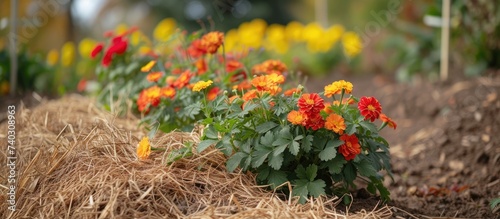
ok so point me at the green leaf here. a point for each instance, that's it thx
(234, 161)
(349, 173)
(279, 150)
(351, 128)
(371, 188)
(258, 157)
(276, 178)
(300, 171)
(276, 161)
(384, 193)
(369, 126)
(494, 203)
(330, 150)
(311, 172)
(316, 188)
(267, 139)
(365, 168)
(264, 127)
(294, 148)
(205, 144)
(335, 165)
(307, 143)
(192, 110)
(300, 189)
(211, 133)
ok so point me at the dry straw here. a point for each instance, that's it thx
(76, 161)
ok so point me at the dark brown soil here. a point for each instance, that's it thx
(446, 148)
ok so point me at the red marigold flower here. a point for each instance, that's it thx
(335, 123)
(183, 79)
(154, 76)
(148, 97)
(291, 91)
(168, 92)
(82, 85)
(370, 108)
(297, 118)
(196, 50)
(350, 148)
(201, 65)
(310, 103)
(388, 121)
(212, 41)
(233, 65)
(212, 93)
(118, 46)
(97, 49)
(314, 121)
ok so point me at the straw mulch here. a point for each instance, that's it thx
(77, 161)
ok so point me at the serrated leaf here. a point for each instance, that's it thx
(384, 193)
(258, 157)
(311, 172)
(211, 133)
(494, 203)
(192, 110)
(267, 139)
(307, 143)
(300, 171)
(264, 127)
(371, 188)
(369, 126)
(300, 189)
(349, 173)
(365, 168)
(330, 150)
(263, 173)
(234, 161)
(276, 161)
(276, 178)
(316, 188)
(205, 144)
(294, 148)
(335, 165)
(351, 128)
(279, 150)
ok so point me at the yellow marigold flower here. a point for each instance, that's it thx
(352, 44)
(143, 148)
(67, 54)
(200, 85)
(52, 57)
(336, 88)
(335, 123)
(164, 29)
(86, 46)
(293, 31)
(121, 29)
(148, 66)
(297, 118)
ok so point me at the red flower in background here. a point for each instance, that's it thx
(212, 93)
(196, 50)
(350, 148)
(212, 41)
(82, 84)
(182, 80)
(311, 103)
(118, 46)
(201, 65)
(97, 49)
(148, 97)
(370, 108)
(154, 76)
(233, 65)
(315, 121)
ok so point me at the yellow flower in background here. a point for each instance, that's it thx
(52, 57)
(164, 29)
(143, 50)
(352, 44)
(276, 39)
(231, 40)
(334, 33)
(314, 35)
(68, 54)
(149, 66)
(143, 148)
(138, 37)
(293, 31)
(86, 46)
(200, 85)
(121, 29)
(251, 33)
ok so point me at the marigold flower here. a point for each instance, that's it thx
(148, 97)
(68, 54)
(297, 118)
(168, 92)
(97, 49)
(201, 85)
(268, 83)
(352, 44)
(233, 65)
(370, 108)
(310, 103)
(336, 88)
(212, 41)
(154, 76)
(183, 79)
(388, 121)
(351, 146)
(315, 121)
(212, 93)
(328, 109)
(196, 50)
(52, 57)
(201, 65)
(118, 46)
(143, 148)
(270, 67)
(86, 46)
(149, 66)
(82, 85)
(291, 91)
(335, 123)
(164, 29)
(249, 95)
(244, 85)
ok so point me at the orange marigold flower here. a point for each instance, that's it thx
(212, 41)
(335, 123)
(270, 67)
(261, 83)
(170, 80)
(388, 121)
(168, 92)
(201, 85)
(291, 91)
(143, 148)
(268, 83)
(249, 95)
(297, 118)
(315, 121)
(233, 65)
(350, 148)
(148, 97)
(310, 103)
(370, 108)
(176, 71)
(183, 79)
(328, 109)
(201, 65)
(149, 66)
(196, 49)
(244, 85)
(212, 93)
(154, 76)
(336, 88)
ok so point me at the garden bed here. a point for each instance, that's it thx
(75, 160)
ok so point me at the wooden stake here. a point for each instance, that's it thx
(321, 12)
(445, 40)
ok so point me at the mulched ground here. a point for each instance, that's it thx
(446, 149)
